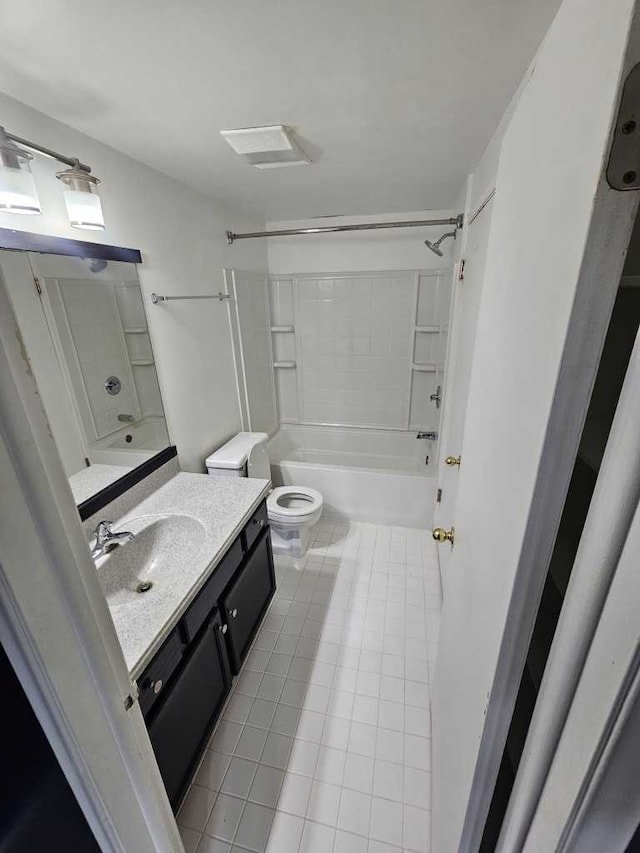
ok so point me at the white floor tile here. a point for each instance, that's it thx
(251, 743)
(196, 808)
(324, 802)
(386, 821)
(261, 713)
(303, 757)
(416, 829)
(211, 773)
(225, 817)
(294, 794)
(190, 839)
(255, 824)
(417, 788)
(346, 842)
(266, 785)
(310, 726)
(358, 773)
(276, 750)
(286, 833)
(324, 746)
(317, 838)
(362, 739)
(355, 812)
(388, 780)
(239, 776)
(213, 845)
(285, 720)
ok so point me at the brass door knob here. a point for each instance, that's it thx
(441, 535)
(452, 460)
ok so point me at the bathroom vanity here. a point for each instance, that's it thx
(203, 545)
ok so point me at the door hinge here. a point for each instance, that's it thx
(439, 496)
(131, 698)
(38, 286)
(622, 169)
(461, 270)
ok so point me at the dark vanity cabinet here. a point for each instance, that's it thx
(246, 599)
(184, 687)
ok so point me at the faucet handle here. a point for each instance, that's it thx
(103, 529)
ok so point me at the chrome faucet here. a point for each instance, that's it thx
(107, 540)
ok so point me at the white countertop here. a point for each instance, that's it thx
(222, 505)
(84, 484)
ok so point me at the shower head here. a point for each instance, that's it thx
(435, 245)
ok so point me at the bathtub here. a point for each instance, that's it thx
(363, 474)
(133, 444)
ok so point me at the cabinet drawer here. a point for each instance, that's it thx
(208, 596)
(155, 677)
(256, 525)
(181, 724)
(246, 599)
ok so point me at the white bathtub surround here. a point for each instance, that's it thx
(365, 475)
(361, 348)
(325, 741)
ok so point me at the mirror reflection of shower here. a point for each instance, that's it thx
(435, 244)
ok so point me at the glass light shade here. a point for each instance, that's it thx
(84, 209)
(17, 187)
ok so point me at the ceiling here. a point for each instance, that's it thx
(394, 100)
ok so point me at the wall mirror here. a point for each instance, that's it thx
(85, 332)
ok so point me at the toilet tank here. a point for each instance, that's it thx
(244, 455)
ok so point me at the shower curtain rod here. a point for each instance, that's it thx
(331, 229)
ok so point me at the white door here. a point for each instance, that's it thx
(465, 314)
(557, 241)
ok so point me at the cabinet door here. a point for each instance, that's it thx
(181, 725)
(246, 599)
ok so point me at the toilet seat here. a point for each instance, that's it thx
(309, 502)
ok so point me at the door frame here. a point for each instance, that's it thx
(613, 215)
(56, 628)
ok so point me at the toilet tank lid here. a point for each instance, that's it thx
(235, 452)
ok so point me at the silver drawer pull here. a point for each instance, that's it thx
(223, 629)
(157, 686)
(234, 613)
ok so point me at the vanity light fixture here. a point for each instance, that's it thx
(18, 191)
(81, 198)
(17, 188)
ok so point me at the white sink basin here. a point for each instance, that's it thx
(162, 544)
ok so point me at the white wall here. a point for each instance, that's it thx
(401, 249)
(181, 235)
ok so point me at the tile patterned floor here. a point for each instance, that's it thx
(324, 746)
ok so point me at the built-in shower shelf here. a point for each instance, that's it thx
(425, 368)
(285, 364)
(428, 329)
(138, 330)
(141, 362)
(283, 329)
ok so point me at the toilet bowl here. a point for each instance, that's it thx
(292, 510)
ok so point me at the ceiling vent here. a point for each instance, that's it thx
(266, 147)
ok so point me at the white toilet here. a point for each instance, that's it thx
(292, 510)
